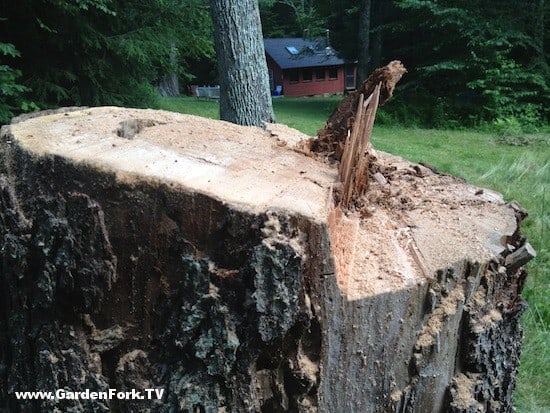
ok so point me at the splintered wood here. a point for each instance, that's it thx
(356, 114)
(331, 138)
(354, 165)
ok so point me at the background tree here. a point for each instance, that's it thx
(363, 41)
(378, 19)
(191, 46)
(244, 82)
(357, 30)
(97, 52)
(291, 18)
(475, 59)
(470, 62)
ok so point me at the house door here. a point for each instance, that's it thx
(271, 81)
(350, 77)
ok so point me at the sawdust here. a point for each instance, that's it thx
(463, 398)
(245, 166)
(414, 223)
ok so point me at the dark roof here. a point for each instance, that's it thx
(296, 52)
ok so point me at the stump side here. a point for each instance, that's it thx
(423, 288)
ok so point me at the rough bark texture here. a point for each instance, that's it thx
(377, 21)
(363, 41)
(169, 86)
(245, 98)
(166, 259)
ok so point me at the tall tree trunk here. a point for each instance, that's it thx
(375, 59)
(244, 80)
(170, 85)
(538, 29)
(363, 41)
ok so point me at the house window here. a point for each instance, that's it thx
(307, 75)
(292, 50)
(320, 74)
(333, 73)
(293, 76)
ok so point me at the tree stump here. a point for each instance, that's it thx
(149, 250)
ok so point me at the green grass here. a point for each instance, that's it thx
(518, 172)
(308, 115)
(304, 114)
(191, 106)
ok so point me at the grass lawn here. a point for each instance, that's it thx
(518, 172)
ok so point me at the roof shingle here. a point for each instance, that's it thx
(311, 52)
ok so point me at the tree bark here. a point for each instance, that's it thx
(244, 97)
(149, 250)
(539, 12)
(363, 41)
(170, 85)
(376, 38)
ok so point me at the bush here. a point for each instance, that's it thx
(11, 92)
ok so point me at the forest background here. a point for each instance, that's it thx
(471, 63)
(478, 69)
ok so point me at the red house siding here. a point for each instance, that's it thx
(314, 86)
(305, 87)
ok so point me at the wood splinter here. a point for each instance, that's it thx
(346, 135)
(354, 165)
(520, 257)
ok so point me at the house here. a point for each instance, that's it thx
(306, 67)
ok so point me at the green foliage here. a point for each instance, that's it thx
(479, 59)
(291, 18)
(76, 6)
(470, 62)
(418, 110)
(507, 127)
(11, 92)
(509, 90)
(103, 52)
